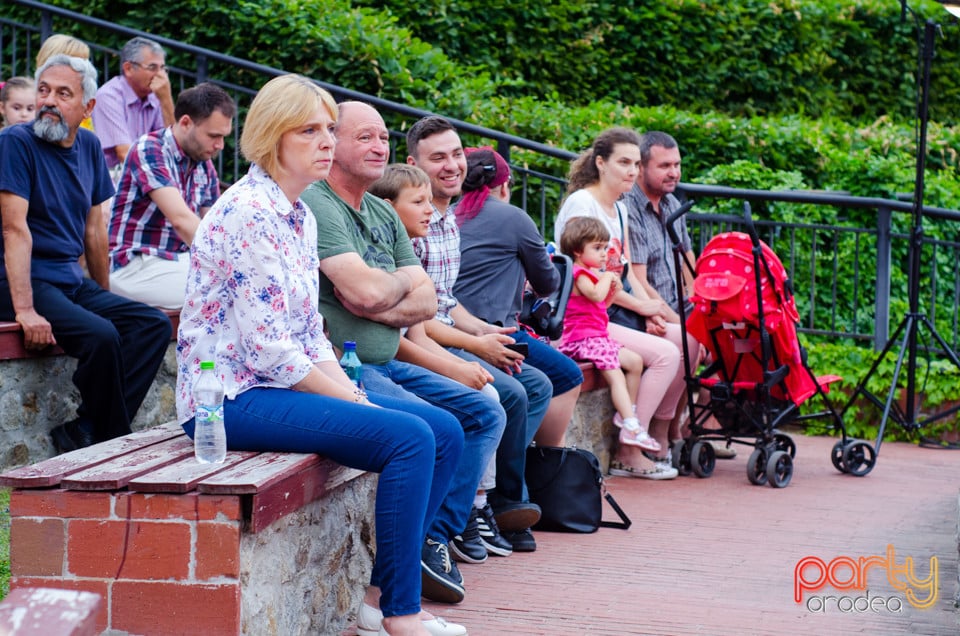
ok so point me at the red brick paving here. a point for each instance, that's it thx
(716, 556)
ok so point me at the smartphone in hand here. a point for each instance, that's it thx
(520, 347)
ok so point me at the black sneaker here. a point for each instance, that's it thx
(517, 516)
(522, 541)
(490, 535)
(467, 546)
(440, 579)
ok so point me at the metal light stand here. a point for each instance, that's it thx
(911, 323)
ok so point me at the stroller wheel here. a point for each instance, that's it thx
(785, 443)
(779, 469)
(680, 451)
(703, 459)
(757, 467)
(859, 458)
(836, 456)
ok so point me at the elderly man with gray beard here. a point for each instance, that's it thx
(53, 181)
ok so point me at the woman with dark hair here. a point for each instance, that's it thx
(597, 180)
(501, 250)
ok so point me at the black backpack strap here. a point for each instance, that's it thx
(624, 522)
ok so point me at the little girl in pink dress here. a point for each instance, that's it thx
(585, 335)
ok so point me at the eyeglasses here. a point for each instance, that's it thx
(510, 182)
(153, 68)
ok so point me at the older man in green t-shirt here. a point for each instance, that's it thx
(372, 287)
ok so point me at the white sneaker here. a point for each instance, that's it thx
(370, 616)
(658, 471)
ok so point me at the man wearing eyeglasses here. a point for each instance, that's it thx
(134, 103)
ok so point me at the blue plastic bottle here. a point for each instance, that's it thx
(351, 363)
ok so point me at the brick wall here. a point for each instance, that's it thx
(173, 564)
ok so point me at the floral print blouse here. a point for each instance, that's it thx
(252, 292)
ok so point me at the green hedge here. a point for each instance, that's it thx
(853, 60)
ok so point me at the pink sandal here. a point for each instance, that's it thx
(632, 435)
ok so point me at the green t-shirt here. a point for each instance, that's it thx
(378, 236)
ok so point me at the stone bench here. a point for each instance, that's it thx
(37, 393)
(591, 427)
(266, 543)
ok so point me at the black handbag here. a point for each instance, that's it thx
(626, 317)
(621, 315)
(567, 484)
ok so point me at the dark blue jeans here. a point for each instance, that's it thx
(414, 447)
(481, 417)
(119, 344)
(524, 397)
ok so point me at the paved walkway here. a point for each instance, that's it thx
(717, 556)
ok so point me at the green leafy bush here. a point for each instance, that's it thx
(938, 387)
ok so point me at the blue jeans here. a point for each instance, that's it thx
(119, 344)
(524, 397)
(481, 417)
(414, 447)
(563, 372)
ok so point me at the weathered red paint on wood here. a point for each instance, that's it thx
(51, 471)
(184, 475)
(49, 612)
(119, 471)
(259, 473)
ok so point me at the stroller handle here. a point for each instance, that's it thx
(683, 209)
(746, 219)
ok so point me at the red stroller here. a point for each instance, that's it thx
(745, 315)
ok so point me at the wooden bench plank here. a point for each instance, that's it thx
(297, 490)
(592, 380)
(11, 340)
(184, 475)
(119, 471)
(49, 612)
(51, 471)
(256, 474)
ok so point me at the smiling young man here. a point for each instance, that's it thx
(134, 103)
(53, 181)
(525, 384)
(167, 184)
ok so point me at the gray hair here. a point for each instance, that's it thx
(131, 51)
(88, 74)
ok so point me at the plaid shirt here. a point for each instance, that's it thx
(439, 253)
(137, 226)
(650, 243)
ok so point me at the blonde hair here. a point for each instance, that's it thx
(283, 104)
(60, 43)
(396, 178)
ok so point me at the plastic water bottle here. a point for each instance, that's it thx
(351, 363)
(209, 436)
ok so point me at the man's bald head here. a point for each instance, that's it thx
(363, 146)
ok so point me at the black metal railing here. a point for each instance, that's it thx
(859, 309)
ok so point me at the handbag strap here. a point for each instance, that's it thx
(624, 522)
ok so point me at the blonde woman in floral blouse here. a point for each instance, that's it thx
(251, 306)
